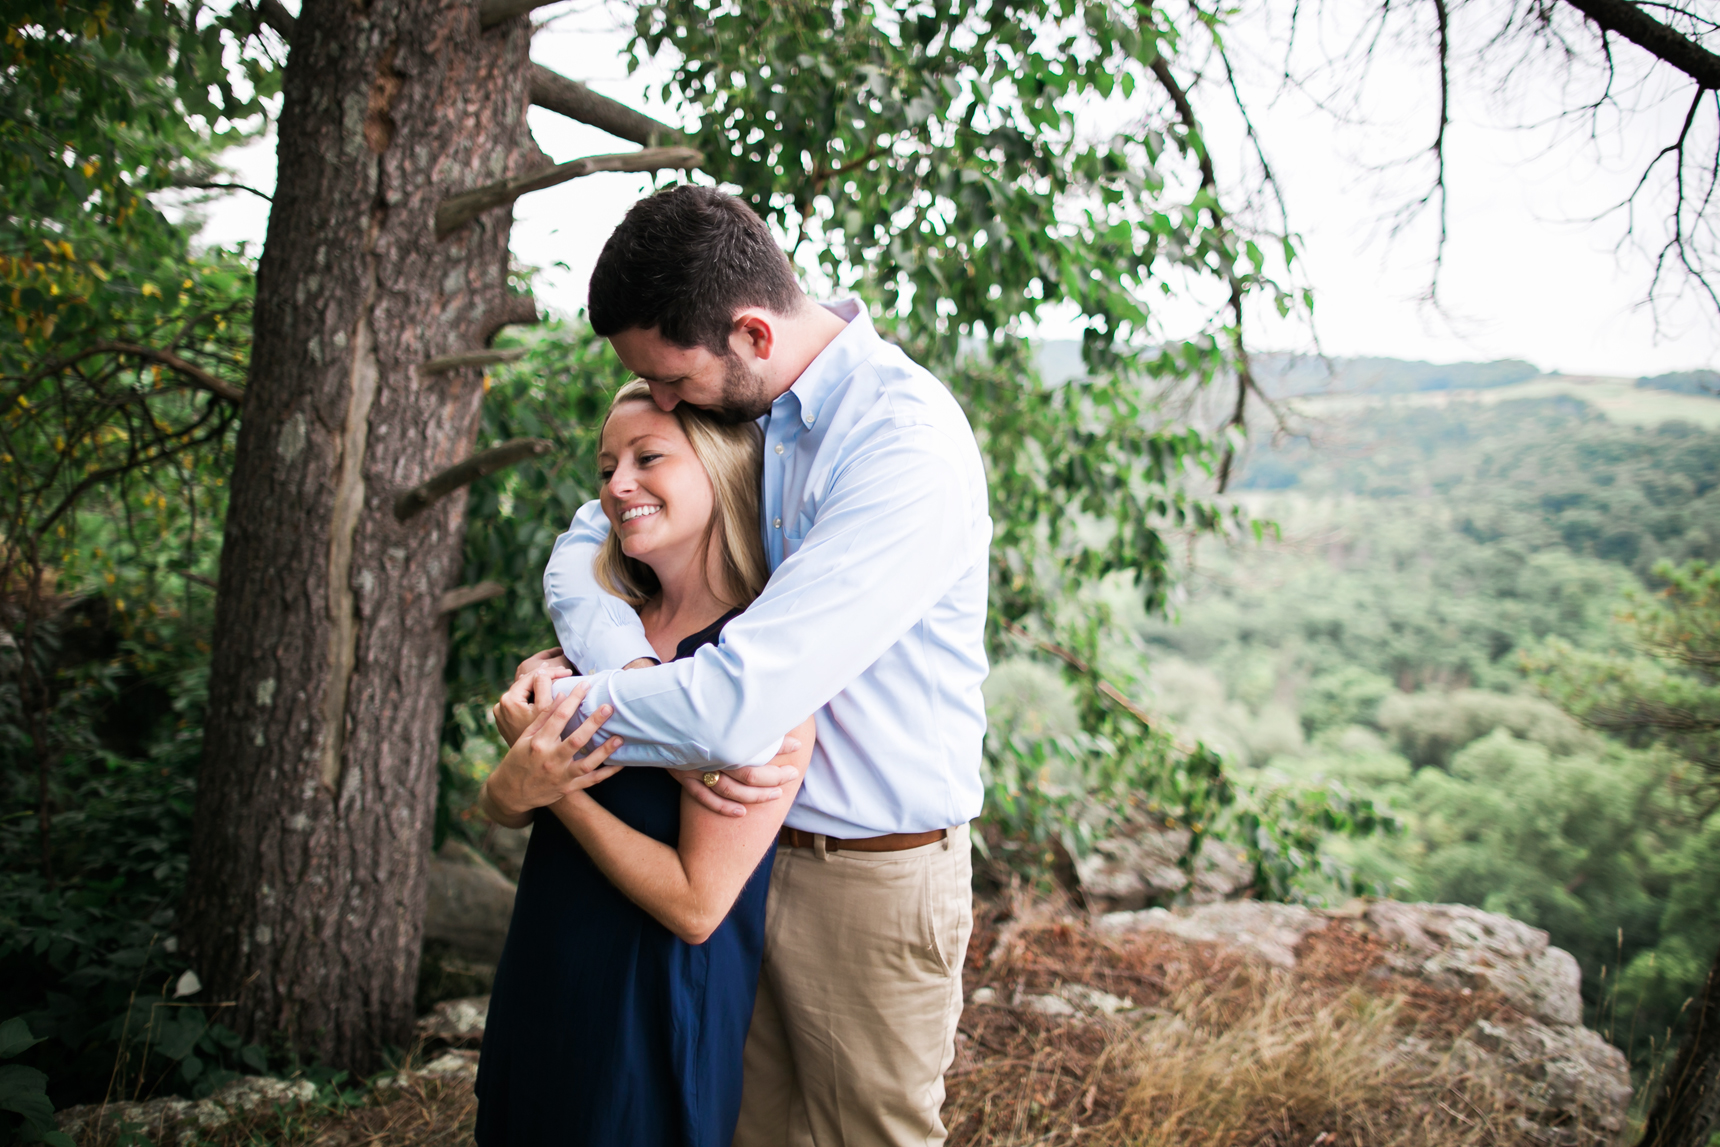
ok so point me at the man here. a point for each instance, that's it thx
(877, 530)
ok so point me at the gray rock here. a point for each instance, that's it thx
(1139, 867)
(470, 904)
(456, 1021)
(1453, 946)
(507, 847)
(1269, 931)
(1575, 1084)
(185, 1121)
(1054, 1006)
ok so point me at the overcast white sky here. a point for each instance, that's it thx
(1524, 276)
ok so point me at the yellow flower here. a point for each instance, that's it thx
(150, 290)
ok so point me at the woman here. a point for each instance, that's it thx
(626, 986)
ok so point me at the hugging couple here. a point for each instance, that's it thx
(754, 931)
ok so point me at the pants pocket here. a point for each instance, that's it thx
(939, 927)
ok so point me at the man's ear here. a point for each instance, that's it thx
(754, 333)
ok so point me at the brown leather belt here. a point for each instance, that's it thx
(889, 842)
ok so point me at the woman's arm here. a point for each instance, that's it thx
(691, 888)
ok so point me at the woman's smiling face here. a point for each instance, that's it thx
(655, 490)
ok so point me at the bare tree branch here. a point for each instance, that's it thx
(193, 374)
(1111, 692)
(204, 186)
(570, 98)
(1238, 289)
(456, 211)
(428, 493)
(275, 15)
(1664, 43)
(469, 595)
(1438, 149)
(470, 358)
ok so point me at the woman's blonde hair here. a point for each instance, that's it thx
(733, 458)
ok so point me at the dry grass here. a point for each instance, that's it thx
(1219, 1053)
(1216, 1052)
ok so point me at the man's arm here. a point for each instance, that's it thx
(893, 535)
(597, 629)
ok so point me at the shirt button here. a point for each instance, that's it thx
(810, 420)
(776, 525)
(779, 448)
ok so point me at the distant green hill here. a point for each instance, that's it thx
(1288, 375)
(1684, 382)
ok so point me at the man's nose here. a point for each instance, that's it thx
(664, 396)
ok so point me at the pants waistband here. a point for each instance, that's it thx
(889, 842)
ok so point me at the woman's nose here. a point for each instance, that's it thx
(621, 483)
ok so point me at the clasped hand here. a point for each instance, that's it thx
(521, 705)
(542, 766)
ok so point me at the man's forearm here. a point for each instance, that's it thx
(597, 630)
(870, 568)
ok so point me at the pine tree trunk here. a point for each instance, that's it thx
(316, 796)
(1687, 1111)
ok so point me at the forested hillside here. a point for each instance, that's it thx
(1378, 639)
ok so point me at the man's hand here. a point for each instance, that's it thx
(554, 660)
(515, 710)
(737, 788)
(525, 699)
(543, 766)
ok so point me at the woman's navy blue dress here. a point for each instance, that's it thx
(604, 1028)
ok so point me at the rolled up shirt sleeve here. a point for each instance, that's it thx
(890, 539)
(597, 630)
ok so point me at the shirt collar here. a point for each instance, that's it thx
(837, 361)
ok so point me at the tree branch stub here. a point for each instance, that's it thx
(462, 596)
(470, 358)
(493, 12)
(458, 210)
(555, 92)
(427, 494)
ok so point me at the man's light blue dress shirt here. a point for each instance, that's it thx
(877, 528)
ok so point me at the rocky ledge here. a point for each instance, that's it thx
(1484, 993)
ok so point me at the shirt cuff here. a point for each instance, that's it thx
(614, 649)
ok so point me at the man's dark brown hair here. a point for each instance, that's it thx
(684, 261)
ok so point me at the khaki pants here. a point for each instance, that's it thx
(858, 998)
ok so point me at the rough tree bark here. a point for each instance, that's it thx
(315, 800)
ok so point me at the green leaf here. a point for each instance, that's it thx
(25, 1091)
(176, 1038)
(15, 1038)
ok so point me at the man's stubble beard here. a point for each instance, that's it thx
(745, 397)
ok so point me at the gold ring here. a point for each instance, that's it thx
(711, 779)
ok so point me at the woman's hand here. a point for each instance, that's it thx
(515, 710)
(543, 766)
